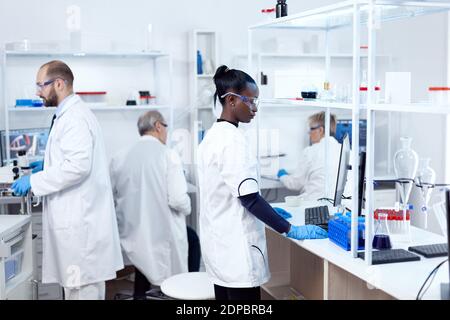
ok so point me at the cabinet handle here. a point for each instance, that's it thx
(35, 284)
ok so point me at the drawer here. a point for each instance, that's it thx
(49, 292)
(36, 226)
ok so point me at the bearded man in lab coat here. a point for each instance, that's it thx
(150, 193)
(81, 246)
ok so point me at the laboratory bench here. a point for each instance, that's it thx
(320, 269)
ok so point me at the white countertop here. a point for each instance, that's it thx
(11, 222)
(400, 280)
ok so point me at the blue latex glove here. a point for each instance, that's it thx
(308, 231)
(283, 213)
(37, 166)
(21, 186)
(281, 173)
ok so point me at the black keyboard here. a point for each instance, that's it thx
(391, 256)
(318, 216)
(431, 250)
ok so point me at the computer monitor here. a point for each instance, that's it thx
(361, 181)
(344, 127)
(33, 141)
(344, 161)
(344, 166)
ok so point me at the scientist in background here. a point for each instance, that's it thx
(152, 203)
(309, 177)
(81, 246)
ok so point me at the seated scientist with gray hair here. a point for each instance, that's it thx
(150, 193)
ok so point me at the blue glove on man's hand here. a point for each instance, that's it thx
(283, 213)
(37, 166)
(21, 186)
(308, 231)
(281, 173)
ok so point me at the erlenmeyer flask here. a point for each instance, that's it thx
(426, 177)
(381, 240)
(405, 166)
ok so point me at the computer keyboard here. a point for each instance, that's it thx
(431, 250)
(391, 256)
(318, 216)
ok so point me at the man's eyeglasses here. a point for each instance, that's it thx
(249, 101)
(41, 86)
(163, 124)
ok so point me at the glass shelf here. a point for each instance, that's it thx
(341, 15)
(80, 54)
(95, 108)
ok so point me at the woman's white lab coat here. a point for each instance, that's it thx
(232, 239)
(80, 235)
(150, 193)
(309, 177)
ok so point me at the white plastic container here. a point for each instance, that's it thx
(363, 94)
(439, 96)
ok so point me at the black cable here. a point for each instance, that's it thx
(332, 202)
(418, 297)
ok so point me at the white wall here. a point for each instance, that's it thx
(123, 24)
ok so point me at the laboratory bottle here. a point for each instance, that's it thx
(199, 63)
(281, 9)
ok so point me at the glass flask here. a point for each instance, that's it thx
(426, 178)
(405, 166)
(381, 240)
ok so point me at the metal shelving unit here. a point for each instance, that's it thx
(156, 58)
(355, 14)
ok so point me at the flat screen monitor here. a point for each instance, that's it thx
(362, 180)
(344, 161)
(344, 127)
(33, 141)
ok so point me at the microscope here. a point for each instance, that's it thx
(10, 173)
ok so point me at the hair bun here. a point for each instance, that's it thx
(220, 72)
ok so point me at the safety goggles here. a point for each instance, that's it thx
(311, 129)
(248, 101)
(41, 86)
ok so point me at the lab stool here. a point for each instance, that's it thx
(189, 286)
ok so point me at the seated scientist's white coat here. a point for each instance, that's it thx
(150, 193)
(309, 177)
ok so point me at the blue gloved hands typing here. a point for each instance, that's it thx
(281, 173)
(37, 166)
(307, 232)
(283, 213)
(21, 186)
